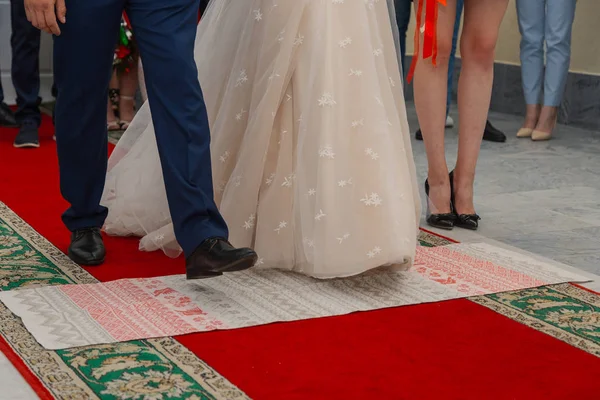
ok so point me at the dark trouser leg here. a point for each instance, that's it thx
(459, 11)
(55, 95)
(25, 43)
(403, 9)
(166, 31)
(203, 5)
(83, 56)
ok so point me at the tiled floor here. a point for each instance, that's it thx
(13, 385)
(542, 197)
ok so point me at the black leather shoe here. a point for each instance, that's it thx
(87, 247)
(440, 221)
(490, 134)
(493, 134)
(215, 256)
(7, 117)
(465, 221)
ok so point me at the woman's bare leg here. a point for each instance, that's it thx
(110, 111)
(532, 115)
(430, 91)
(480, 32)
(547, 119)
(141, 81)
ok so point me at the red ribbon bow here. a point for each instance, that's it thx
(430, 33)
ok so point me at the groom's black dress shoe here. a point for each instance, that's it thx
(215, 256)
(87, 247)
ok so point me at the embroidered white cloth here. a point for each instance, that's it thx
(67, 316)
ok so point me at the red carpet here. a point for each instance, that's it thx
(449, 350)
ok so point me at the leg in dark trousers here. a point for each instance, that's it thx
(403, 10)
(25, 43)
(83, 56)
(166, 32)
(203, 5)
(7, 117)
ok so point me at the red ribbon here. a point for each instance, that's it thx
(430, 34)
(126, 18)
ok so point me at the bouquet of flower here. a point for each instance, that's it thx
(125, 53)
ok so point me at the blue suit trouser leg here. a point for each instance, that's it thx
(166, 33)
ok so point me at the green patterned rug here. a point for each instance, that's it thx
(153, 369)
(160, 369)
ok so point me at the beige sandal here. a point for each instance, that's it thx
(113, 126)
(124, 123)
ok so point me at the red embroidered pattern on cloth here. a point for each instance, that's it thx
(133, 308)
(469, 275)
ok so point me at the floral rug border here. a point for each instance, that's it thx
(564, 311)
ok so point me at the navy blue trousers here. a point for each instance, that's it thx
(25, 68)
(403, 8)
(165, 31)
(203, 5)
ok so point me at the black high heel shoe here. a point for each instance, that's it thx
(466, 221)
(440, 221)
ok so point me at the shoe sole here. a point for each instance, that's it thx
(445, 228)
(238, 265)
(27, 145)
(494, 140)
(85, 263)
(469, 228)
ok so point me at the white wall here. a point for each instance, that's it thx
(5, 58)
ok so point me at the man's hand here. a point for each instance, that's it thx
(43, 14)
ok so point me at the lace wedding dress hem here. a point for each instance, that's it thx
(311, 153)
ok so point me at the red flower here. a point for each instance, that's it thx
(123, 51)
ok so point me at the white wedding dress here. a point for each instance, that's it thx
(311, 155)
